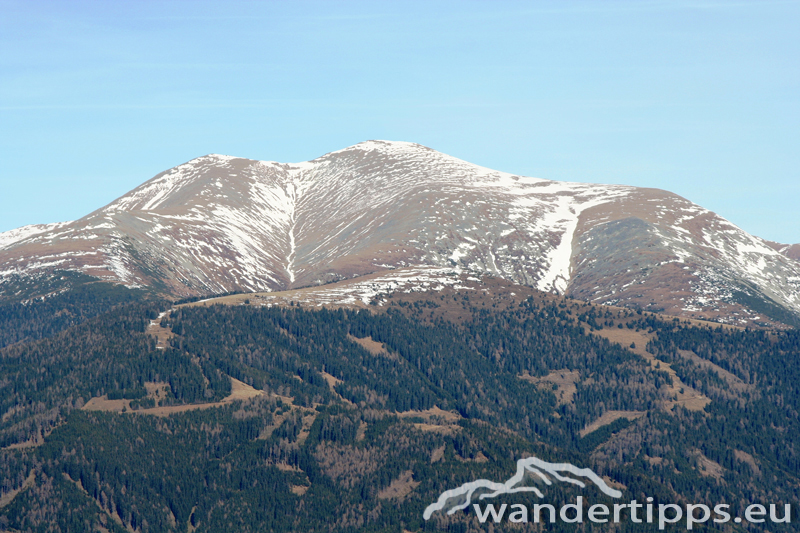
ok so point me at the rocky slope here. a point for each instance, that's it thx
(220, 223)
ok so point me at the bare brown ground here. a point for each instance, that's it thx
(625, 337)
(432, 414)
(434, 420)
(749, 459)
(36, 440)
(332, 382)
(614, 484)
(654, 460)
(399, 488)
(283, 467)
(373, 347)
(9, 496)
(435, 428)
(732, 380)
(609, 417)
(305, 431)
(299, 490)
(708, 468)
(479, 458)
(162, 335)
(239, 391)
(437, 454)
(362, 431)
(564, 379)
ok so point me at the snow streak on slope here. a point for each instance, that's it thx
(368, 289)
(559, 206)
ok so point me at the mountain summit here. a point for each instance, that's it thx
(220, 223)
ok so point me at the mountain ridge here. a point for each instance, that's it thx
(220, 223)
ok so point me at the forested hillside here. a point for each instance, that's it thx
(366, 416)
(33, 308)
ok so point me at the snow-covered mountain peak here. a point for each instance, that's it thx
(382, 146)
(220, 223)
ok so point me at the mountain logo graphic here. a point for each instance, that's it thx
(530, 468)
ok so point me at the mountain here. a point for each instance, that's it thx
(220, 224)
(442, 354)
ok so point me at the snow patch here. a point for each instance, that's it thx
(11, 237)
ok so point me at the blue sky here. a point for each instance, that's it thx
(700, 98)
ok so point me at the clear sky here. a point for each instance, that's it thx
(698, 97)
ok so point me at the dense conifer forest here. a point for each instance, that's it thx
(366, 415)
